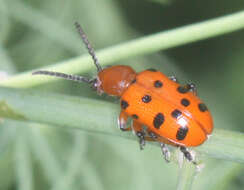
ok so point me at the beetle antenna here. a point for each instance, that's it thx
(88, 46)
(63, 75)
(75, 77)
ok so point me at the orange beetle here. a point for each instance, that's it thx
(162, 110)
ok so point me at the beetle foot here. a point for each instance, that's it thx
(141, 136)
(191, 87)
(174, 79)
(165, 151)
(152, 135)
(188, 155)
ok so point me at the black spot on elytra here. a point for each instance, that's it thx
(151, 69)
(202, 107)
(158, 120)
(134, 116)
(182, 89)
(124, 104)
(158, 84)
(185, 102)
(176, 113)
(181, 133)
(133, 81)
(146, 99)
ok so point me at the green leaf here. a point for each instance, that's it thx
(23, 167)
(98, 117)
(186, 174)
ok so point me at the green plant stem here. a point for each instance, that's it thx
(98, 117)
(186, 175)
(23, 164)
(74, 164)
(50, 165)
(145, 45)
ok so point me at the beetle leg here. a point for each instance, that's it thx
(164, 148)
(152, 136)
(174, 79)
(122, 121)
(187, 155)
(141, 136)
(165, 151)
(191, 87)
(140, 133)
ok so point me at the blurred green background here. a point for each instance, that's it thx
(34, 34)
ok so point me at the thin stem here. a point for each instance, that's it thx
(145, 45)
(23, 163)
(51, 167)
(186, 175)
